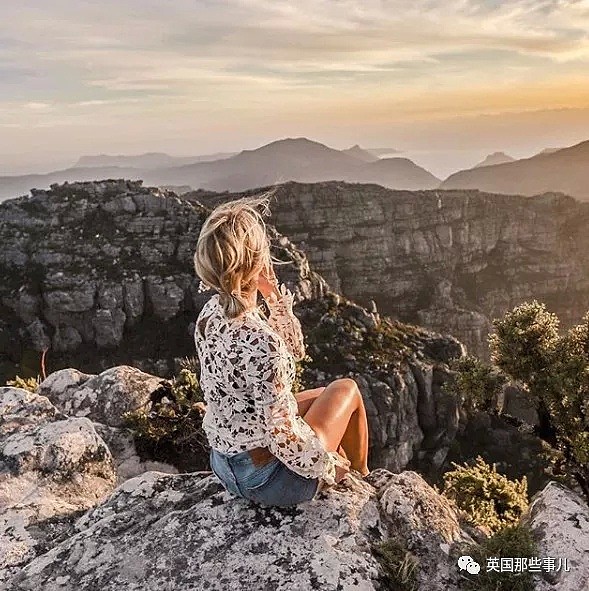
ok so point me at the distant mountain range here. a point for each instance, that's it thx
(495, 158)
(148, 160)
(297, 159)
(564, 170)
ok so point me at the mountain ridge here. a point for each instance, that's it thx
(565, 170)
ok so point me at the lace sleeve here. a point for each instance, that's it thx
(283, 321)
(288, 436)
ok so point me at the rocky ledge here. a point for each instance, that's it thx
(95, 268)
(80, 510)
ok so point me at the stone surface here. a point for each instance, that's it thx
(186, 532)
(52, 468)
(103, 399)
(92, 270)
(449, 260)
(559, 519)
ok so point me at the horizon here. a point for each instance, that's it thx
(444, 83)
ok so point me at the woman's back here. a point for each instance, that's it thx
(236, 360)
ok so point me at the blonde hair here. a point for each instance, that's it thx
(232, 248)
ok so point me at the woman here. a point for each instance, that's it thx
(268, 444)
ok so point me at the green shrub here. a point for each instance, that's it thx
(30, 384)
(489, 499)
(399, 566)
(170, 428)
(554, 369)
(476, 383)
(515, 541)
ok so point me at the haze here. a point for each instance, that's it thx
(445, 82)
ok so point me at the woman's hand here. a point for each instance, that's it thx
(267, 283)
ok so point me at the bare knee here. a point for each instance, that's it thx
(346, 383)
(349, 386)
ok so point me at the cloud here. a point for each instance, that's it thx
(147, 60)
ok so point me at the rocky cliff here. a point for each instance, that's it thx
(448, 260)
(72, 519)
(101, 272)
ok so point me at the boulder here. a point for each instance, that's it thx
(559, 518)
(185, 531)
(52, 469)
(103, 399)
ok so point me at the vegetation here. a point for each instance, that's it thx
(488, 499)
(171, 428)
(398, 564)
(30, 384)
(515, 541)
(341, 336)
(476, 383)
(554, 369)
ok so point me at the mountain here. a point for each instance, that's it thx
(565, 170)
(398, 173)
(495, 158)
(148, 160)
(297, 159)
(361, 154)
(383, 151)
(447, 260)
(548, 151)
(12, 186)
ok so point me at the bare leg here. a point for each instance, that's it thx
(304, 400)
(306, 397)
(338, 417)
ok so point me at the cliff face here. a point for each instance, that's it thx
(449, 260)
(107, 266)
(101, 274)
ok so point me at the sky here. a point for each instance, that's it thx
(445, 82)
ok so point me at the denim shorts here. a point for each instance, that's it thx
(273, 484)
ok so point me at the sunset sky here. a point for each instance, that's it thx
(451, 80)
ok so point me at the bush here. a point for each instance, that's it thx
(170, 428)
(515, 541)
(488, 499)
(399, 566)
(555, 370)
(476, 383)
(30, 384)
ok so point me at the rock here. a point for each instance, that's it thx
(108, 327)
(52, 468)
(449, 260)
(559, 519)
(427, 524)
(128, 463)
(517, 403)
(102, 398)
(66, 338)
(187, 532)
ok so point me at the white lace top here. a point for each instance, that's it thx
(247, 370)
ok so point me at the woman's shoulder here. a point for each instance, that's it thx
(255, 332)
